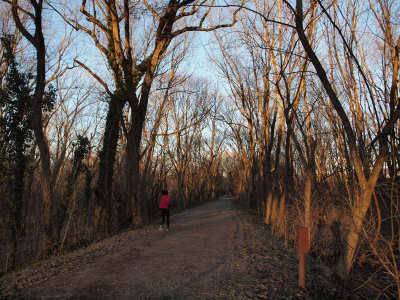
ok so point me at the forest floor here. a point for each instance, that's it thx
(213, 251)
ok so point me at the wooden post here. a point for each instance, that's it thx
(302, 270)
(302, 249)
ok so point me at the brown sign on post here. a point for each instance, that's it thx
(302, 249)
(302, 240)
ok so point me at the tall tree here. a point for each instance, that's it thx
(367, 175)
(28, 17)
(16, 140)
(133, 73)
(36, 39)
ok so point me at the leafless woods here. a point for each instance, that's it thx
(101, 109)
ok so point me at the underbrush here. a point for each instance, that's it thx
(321, 282)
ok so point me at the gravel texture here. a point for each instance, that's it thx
(213, 251)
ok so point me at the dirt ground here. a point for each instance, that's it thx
(212, 252)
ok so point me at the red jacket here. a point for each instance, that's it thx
(164, 203)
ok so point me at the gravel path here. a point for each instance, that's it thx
(213, 251)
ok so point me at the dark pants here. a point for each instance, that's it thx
(164, 213)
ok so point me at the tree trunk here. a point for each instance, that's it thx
(307, 200)
(103, 189)
(134, 204)
(37, 40)
(41, 140)
(268, 207)
(345, 261)
(274, 209)
(281, 214)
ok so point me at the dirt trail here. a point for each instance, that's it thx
(190, 260)
(214, 251)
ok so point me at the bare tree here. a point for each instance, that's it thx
(134, 74)
(367, 175)
(189, 108)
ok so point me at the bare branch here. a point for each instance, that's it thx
(348, 49)
(92, 18)
(200, 28)
(152, 10)
(14, 9)
(195, 8)
(93, 35)
(62, 16)
(20, 8)
(94, 75)
(240, 7)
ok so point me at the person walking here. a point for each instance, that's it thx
(164, 207)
